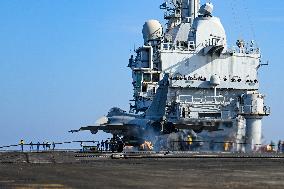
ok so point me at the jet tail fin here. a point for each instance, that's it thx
(158, 107)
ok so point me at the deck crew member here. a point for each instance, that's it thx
(37, 146)
(31, 146)
(22, 145)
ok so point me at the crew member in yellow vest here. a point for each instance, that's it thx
(226, 146)
(189, 141)
(22, 145)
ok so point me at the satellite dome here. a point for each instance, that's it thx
(152, 30)
(206, 9)
(215, 80)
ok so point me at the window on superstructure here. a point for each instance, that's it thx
(145, 59)
(147, 77)
(156, 77)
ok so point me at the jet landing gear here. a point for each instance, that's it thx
(116, 144)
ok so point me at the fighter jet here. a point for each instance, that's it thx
(135, 129)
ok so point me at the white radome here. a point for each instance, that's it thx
(152, 30)
(215, 80)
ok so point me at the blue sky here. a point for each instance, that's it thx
(63, 63)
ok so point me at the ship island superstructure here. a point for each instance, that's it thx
(209, 83)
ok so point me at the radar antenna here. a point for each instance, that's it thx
(177, 11)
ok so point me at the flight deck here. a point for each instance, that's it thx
(70, 169)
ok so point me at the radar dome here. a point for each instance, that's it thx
(215, 80)
(152, 30)
(206, 9)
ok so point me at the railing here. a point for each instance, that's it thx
(189, 99)
(249, 109)
(245, 50)
(188, 46)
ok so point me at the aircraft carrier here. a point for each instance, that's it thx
(189, 84)
(196, 115)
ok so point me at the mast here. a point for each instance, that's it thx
(190, 9)
(195, 5)
(178, 11)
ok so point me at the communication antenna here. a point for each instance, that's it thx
(237, 24)
(251, 23)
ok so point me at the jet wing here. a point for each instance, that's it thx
(107, 127)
